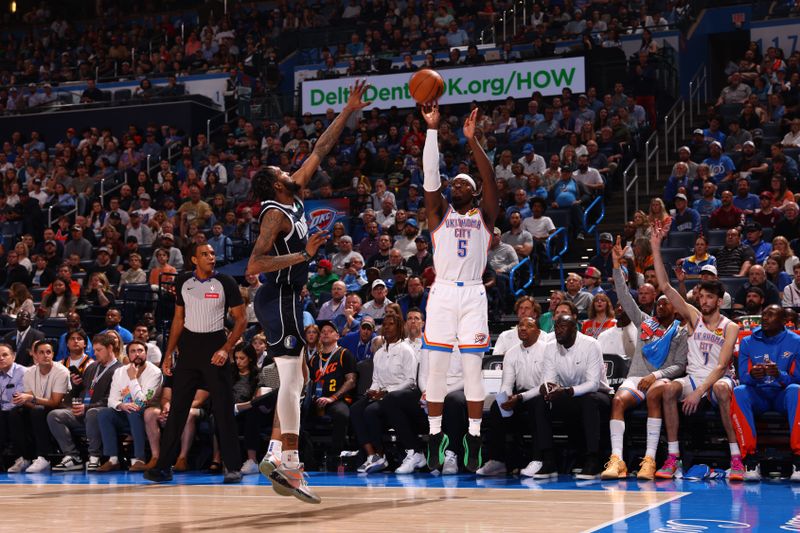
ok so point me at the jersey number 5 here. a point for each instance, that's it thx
(462, 248)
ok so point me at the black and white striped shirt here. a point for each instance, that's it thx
(207, 301)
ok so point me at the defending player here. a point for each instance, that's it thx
(711, 341)
(283, 250)
(769, 375)
(457, 307)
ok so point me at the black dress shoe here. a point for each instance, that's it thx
(158, 475)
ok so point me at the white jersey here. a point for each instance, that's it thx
(461, 246)
(705, 346)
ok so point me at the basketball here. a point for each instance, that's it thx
(425, 86)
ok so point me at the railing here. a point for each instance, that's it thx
(559, 256)
(676, 114)
(50, 213)
(592, 229)
(627, 183)
(511, 275)
(698, 91)
(651, 148)
(115, 186)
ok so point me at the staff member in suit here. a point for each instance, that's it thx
(204, 298)
(23, 338)
(97, 384)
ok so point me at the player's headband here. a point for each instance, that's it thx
(466, 178)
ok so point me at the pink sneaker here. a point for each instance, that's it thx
(737, 469)
(671, 466)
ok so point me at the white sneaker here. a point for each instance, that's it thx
(249, 467)
(374, 463)
(40, 464)
(794, 477)
(20, 465)
(450, 466)
(412, 461)
(535, 469)
(492, 468)
(752, 474)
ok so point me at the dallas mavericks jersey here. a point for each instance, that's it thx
(461, 246)
(292, 243)
(705, 346)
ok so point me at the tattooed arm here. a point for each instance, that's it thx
(274, 224)
(331, 135)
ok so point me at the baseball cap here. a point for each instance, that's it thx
(144, 196)
(498, 231)
(168, 236)
(749, 143)
(37, 181)
(400, 270)
(766, 194)
(711, 269)
(717, 144)
(326, 264)
(685, 148)
(377, 283)
(753, 226)
(606, 237)
(420, 238)
(527, 149)
(412, 222)
(76, 227)
(103, 249)
(322, 323)
(114, 214)
(51, 241)
(592, 272)
(681, 196)
(698, 131)
(368, 321)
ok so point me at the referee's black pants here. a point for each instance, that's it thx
(591, 409)
(194, 369)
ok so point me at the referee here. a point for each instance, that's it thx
(203, 297)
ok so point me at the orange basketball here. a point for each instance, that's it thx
(425, 86)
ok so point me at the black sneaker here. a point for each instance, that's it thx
(547, 471)
(472, 452)
(437, 445)
(591, 468)
(157, 475)
(232, 477)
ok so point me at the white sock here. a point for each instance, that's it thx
(734, 449)
(275, 447)
(290, 458)
(113, 460)
(474, 427)
(435, 423)
(93, 459)
(653, 434)
(617, 428)
(673, 448)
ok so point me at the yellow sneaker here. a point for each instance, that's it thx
(647, 469)
(615, 469)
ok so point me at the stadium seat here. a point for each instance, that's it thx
(671, 255)
(560, 217)
(52, 327)
(733, 285)
(681, 239)
(716, 238)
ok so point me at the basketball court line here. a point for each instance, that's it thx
(640, 511)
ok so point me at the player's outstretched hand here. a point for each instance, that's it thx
(469, 124)
(315, 241)
(430, 112)
(355, 101)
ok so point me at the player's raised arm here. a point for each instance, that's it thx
(331, 135)
(434, 200)
(273, 224)
(687, 311)
(489, 203)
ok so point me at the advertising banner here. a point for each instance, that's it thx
(321, 215)
(461, 85)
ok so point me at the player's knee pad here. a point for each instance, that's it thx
(288, 404)
(438, 365)
(473, 378)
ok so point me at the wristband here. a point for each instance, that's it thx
(305, 255)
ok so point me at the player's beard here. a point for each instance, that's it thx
(292, 187)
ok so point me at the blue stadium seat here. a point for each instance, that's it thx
(671, 255)
(716, 238)
(733, 285)
(681, 239)
(560, 217)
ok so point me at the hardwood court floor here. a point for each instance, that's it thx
(171, 508)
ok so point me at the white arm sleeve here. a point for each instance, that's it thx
(430, 162)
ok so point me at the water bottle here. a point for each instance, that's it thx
(768, 378)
